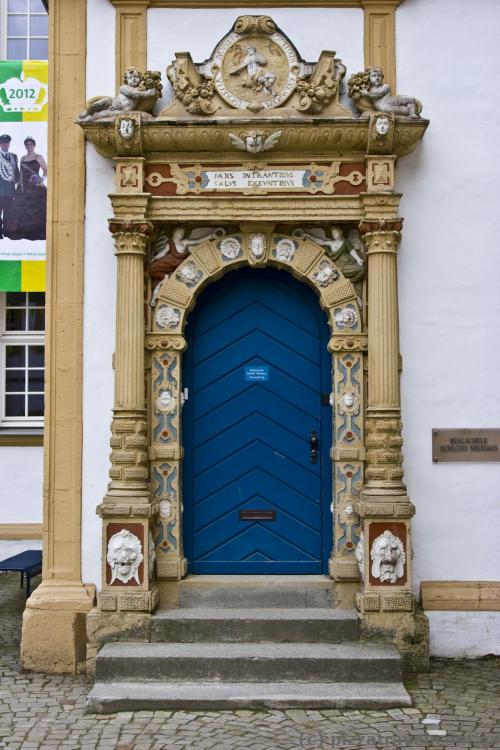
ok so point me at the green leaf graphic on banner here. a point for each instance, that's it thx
(9, 69)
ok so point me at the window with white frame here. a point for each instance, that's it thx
(22, 359)
(24, 28)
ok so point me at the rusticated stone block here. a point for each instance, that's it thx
(136, 441)
(373, 510)
(168, 569)
(123, 457)
(136, 472)
(404, 510)
(119, 426)
(107, 602)
(110, 510)
(400, 602)
(367, 602)
(137, 602)
(343, 569)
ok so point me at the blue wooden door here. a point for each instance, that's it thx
(256, 366)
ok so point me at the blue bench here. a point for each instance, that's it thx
(28, 563)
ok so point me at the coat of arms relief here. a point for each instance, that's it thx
(256, 68)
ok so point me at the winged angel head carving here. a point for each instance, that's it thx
(255, 141)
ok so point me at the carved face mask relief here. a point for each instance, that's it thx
(382, 125)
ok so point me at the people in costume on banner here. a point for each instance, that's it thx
(26, 219)
(9, 178)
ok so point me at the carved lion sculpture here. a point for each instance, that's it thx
(388, 557)
(124, 556)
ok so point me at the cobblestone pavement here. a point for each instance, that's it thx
(456, 705)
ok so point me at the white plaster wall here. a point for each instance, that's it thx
(197, 30)
(449, 281)
(8, 548)
(21, 493)
(21, 472)
(99, 300)
(459, 634)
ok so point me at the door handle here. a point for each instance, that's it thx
(314, 442)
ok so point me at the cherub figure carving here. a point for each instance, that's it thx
(369, 92)
(388, 557)
(258, 79)
(168, 252)
(138, 92)
(345, 253)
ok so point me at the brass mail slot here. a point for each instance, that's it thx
(257, 515)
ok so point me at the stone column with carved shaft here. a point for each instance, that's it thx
(126, 510)
(384, 551)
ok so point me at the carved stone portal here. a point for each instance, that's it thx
(256, 68)
(317, 200)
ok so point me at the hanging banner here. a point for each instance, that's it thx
(23, 174)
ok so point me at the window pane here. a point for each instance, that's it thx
(35, 406)
(39, 25)
(14, 406)
(17, 26)
(17, 49)
(16, 299)
(18, 5)
(36, 356)
(35, 381)
(15, 320)
(36, 6)
(36, 299)
(36, 319)
(14, 356)
(39, 49)
(15, 381)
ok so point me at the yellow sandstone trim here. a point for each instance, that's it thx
(380, 37)
(14, 440)
(9, 531)
(53, 637)
(461, 596)
(131, 35)
(255, 3)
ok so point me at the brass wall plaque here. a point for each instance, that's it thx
(465, 445)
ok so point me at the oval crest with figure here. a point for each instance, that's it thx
(255, 68)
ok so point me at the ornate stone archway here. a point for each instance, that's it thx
(308, 262)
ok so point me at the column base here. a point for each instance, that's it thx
(54, 632)
(105, 627)
(396, 618)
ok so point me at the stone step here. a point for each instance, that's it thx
(251, 662)
(210, 696)
(277, 625)
(256, 591)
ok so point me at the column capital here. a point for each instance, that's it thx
(123, 226)
(382, 236)
(130, 236)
